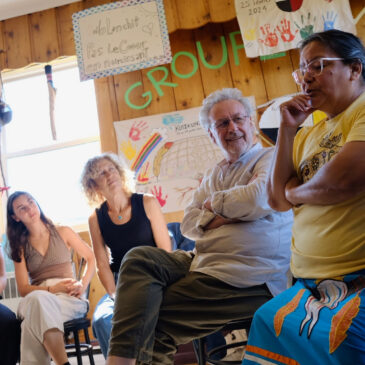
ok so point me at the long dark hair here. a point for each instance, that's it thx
(345, 45)
(17, 232)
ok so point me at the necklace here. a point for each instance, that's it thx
(120, 217)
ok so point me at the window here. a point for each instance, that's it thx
(50, 170)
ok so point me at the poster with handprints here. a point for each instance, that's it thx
(169, 154)
(273, 26)
(120, 37)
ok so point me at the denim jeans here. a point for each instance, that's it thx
(102, 322)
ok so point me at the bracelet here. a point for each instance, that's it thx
(48, 288)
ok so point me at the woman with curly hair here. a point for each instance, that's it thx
(123, 220)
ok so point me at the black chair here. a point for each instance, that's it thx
(80, 349)
(204, 356)
(79, 324)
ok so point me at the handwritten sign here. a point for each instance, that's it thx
(121, 37)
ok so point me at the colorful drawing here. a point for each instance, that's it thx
(143, 178)
(171, 154)
(289, 5)
(285, 31)
(329, 20)
(249, 34)
(154, 140)
(157, 192)
(307, 29)
(172, 119)
(136, 130)
(271, 39)
(158, 157)
(280, 25)
(128, 150)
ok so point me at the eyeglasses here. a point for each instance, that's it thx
(238, 120)
(314, 68)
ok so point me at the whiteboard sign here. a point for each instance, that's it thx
(120, 37)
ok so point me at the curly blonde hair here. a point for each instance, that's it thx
(90, 173)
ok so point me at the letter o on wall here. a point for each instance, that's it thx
(189, 55)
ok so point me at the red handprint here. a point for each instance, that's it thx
(271, 39)
(285, 32)
(143, 176)
(135, 132)
(158, 195)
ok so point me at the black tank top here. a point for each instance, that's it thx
(121, 238)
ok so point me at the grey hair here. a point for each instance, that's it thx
(218, 96)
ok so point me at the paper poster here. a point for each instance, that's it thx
(273, 26)
(169, 153)
(120, 37)
(271, 116)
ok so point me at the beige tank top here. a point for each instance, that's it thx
(56, 263)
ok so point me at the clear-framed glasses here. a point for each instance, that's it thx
(313, 68)
(238, 120)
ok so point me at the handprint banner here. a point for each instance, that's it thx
(169, 154)
(273, 26)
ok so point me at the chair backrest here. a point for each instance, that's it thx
(79, 266)
(179, 242)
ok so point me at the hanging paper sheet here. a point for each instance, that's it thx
(273, 26)
(120, 37)
(169, 154)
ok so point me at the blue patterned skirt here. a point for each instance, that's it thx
(315, 322)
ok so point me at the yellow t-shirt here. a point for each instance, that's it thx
(328, 241)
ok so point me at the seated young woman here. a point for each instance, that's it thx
(41, 253)
(9, 325)
(124, 220)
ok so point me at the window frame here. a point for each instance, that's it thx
(35, 69)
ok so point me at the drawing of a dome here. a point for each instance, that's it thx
(186, 157)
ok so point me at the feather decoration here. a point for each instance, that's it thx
(285, 310)
(52, 99)
(341, 322)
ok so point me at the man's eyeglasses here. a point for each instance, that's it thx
(238, 120)
(314, 68)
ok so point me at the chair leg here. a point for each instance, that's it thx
(87, 339)
(198, 345)
(77, 347)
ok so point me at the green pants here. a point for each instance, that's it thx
(161, 304)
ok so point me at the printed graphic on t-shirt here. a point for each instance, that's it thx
(308, 168)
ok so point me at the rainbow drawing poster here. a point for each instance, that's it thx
(169, 154)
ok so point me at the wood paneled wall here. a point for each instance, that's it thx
(46, 35)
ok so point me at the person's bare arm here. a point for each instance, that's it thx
(102, 260)
(338, 180)
(158, 223)
(74, 241)
(293, 113)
